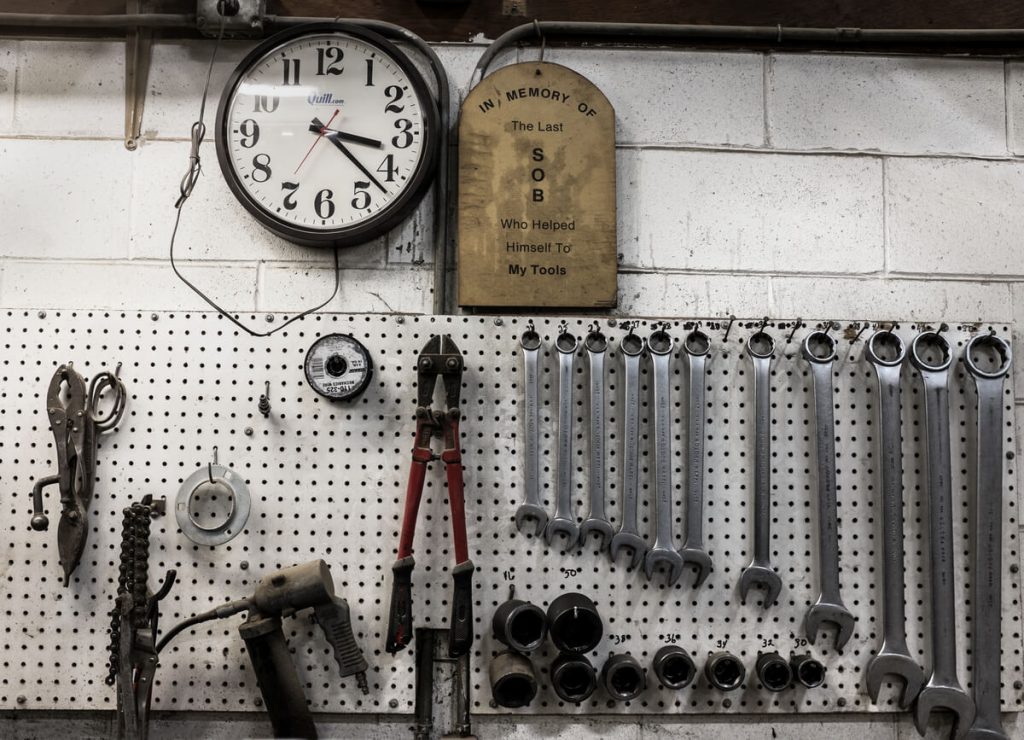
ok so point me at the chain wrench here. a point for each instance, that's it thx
(628, 536)
(565, 520)
(697, 346)
(664, 551)
(886, 353)
(760, 348)
(943, 689)
(819, 350)
(597, 521)
(988, 536)
(532, 510)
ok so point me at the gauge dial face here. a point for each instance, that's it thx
(328, 137)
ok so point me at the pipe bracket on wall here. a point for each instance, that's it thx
(138, 47)
(243, 19)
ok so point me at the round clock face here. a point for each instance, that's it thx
(327, 134)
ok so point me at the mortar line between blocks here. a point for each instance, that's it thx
(885, 217)
(766, 65)
(257, 295)
(1007, 108)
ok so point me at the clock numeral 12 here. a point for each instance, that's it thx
(327, 58)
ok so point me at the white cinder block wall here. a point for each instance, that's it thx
(754, 184)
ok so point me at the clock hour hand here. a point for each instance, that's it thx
(316, 127)
(333, 138)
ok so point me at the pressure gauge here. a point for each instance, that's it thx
(338, 367)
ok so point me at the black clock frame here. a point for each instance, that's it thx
(392, 214)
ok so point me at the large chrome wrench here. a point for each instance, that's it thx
(597, 521)
(886, 353)
(697, 346)
(760, 348)
(819, 350)
(628, 536)
(943, 689)
(988, 536)
(531, 511)
(663, 552)
(564, 522)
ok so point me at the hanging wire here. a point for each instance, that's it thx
(188, 183)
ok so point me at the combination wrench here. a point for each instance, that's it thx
(819, 350)
(761, 348)
(564, 522)
(597, 521)
(628, 537)
(697, 346)
(943, 689)
(531, 516)
(988, 535)
(663, 552)
(886, 352)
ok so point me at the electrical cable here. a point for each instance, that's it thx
(220, 612)
(188, 183)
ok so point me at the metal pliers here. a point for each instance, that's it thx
(71, 409)
(439, 357)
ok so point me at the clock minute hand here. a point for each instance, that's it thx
(333, 138)
(345, 136)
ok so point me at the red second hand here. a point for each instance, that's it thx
(322, 132)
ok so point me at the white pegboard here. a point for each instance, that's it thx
(328, 480)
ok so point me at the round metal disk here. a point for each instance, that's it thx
(338, 367)
(223, 478)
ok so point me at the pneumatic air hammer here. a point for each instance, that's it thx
(283, 594)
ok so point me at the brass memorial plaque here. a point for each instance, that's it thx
(537, 191)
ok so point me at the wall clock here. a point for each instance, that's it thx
(327, 134)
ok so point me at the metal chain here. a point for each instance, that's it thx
(125, 583)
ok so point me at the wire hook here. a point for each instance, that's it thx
(728, 329)
(863, 327)
(209, 465)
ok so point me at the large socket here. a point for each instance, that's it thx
(520, 625)
(574, 624)
(513, 680)
(623, 677)
(724, 671)
(573, 677)
(674, 667)
(774, 672)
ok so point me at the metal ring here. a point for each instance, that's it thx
(632, 345)
(595, 342)
(875, 358)
(566, 343)
(763, 335)
(530, 340)
(1001, 346)
(240, 506)
(819, 336)
(697, 343)
(940, 342)
(655, 342)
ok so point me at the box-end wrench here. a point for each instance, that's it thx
(988, 535)
(564, 522)
(886, 353)
(663, 552)
(697, 346)
(597, 521)
(761, 348)
(628, 537)
(819, 350)
(531, 516)
(943, 689)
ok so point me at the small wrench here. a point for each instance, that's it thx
(988, 536)
(628, 536)
(943, 690)
(819, 350)
(697, 346)
(597, 522)
(886, 353)
(663, 552)
(532, 510)
(565, 520)
(760, 348)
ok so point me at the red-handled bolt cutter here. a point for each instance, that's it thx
(439, 357)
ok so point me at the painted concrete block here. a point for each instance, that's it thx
(954, 216)
(295, 288)
(672, 97)
(70, 88)
(8, 80)
(1015, 105)
(64, 199)
(758, 212)
(673, 295)
(910, 105)
(125, 285)
(214, 225)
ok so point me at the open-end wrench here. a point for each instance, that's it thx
(697, 346)
(596, 522)
(943, 689)
(886, 353)
(664, 551)
(564, 522)
(819, 350)
(628, 537)
(531, 511)
(760, 348)
(988, 536)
